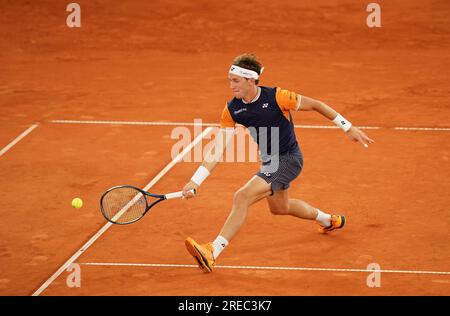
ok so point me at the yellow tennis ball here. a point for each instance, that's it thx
(77, 203)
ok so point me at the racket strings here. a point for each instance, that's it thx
(124, 205)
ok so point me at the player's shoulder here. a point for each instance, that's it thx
(268, 92)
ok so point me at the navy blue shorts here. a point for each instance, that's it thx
(282, 171)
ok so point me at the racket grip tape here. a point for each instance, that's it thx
(177, 195)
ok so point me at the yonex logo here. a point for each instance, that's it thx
(343, 122)
(267, 174)
(265, 105)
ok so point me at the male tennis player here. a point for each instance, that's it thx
(268, 111)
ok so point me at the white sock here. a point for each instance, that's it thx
(323, 218)
(219, 245)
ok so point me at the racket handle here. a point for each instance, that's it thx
(176, 195)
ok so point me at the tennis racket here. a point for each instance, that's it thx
(126, 204)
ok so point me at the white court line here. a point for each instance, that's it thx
(109, 224)
(154, 265)
(435, 129)
(134, 123)
(184, 124)
(17, 139)
(443, 129)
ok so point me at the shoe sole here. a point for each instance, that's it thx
(327, 230)
(343, 222)
(201, 261)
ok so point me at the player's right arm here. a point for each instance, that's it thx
(213, 156)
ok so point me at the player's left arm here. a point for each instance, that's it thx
(355, 134)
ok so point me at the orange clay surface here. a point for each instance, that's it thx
(167, 61)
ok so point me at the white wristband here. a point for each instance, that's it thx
(200, 175)
(342, 122)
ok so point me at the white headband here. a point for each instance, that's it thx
(246, 73)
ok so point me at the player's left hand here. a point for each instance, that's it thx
(357, 135)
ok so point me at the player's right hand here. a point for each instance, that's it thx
(187, 194)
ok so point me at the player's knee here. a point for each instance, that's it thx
(241, 197)
(279, 209)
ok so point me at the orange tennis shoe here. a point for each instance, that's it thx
(203, 254)
(337, 222)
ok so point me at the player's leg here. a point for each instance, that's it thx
(290, 167)
(253, 191)
(280, 204)
(206, 254)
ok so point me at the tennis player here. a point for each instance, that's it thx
(264, 109)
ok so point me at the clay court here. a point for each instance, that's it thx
(84, 109)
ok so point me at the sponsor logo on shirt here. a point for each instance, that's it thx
(240, 110)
